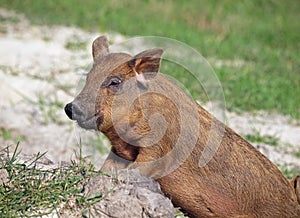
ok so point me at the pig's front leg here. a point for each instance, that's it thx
(114, 163)
(295, 183)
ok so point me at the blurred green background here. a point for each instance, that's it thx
(253, 46)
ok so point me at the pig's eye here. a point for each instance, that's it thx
(113, 82)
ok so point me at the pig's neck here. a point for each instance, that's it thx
(144, 150)
(120, 147)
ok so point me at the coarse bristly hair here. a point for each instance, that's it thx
(238, 181)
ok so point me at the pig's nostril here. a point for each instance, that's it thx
(68, 110)
(73, 111)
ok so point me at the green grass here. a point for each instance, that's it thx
(75, 45)
(297, 154)
(10, 135)
(33, 192)
(30, 191)
(289, 173)
(265, 35)
(259, 138)
(98, 143)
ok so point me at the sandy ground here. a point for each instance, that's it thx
(39, 74)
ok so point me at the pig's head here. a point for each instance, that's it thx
(107, 84)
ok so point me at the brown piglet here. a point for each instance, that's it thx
(202, 165)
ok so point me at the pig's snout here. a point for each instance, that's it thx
(73, 111)
(85, 119)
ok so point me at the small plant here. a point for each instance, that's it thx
(297, 154)
(98, 142)
(46, 38)
(266, 139)
(10, 19)
(48, 105)
(7, 135)
(32, 192)
(49, 109)
(9, 70)
(75, 45)
(290, 172)
(179, 214)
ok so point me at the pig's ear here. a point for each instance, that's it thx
(146, 64)
(100, 46)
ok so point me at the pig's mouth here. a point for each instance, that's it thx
(92, 122)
